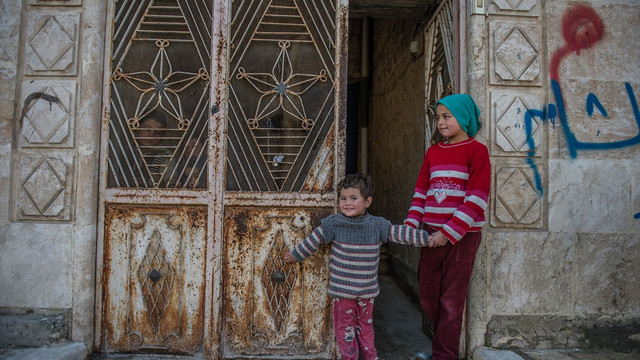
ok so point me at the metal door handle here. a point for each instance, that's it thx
(277, 276)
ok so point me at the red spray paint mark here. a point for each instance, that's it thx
(581, 28)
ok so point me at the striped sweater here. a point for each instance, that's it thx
(452, 189)
(355, 251)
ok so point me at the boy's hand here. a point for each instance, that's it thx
(437, 239)
(289, 258)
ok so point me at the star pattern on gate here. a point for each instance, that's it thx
(281, 89)
(160, 86)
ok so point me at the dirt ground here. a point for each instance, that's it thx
(398, 324)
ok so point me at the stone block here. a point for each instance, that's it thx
(545, 332)
(51, 46)
(478, 299)
(635, 196)
(607, 277)
(509, 123)
(48, 113)
(36, 266)
(515, 53)
(43, 186)
(605, 128)
(562, 332)
(589, 196)
(33, 330)
(530, 273)
(516, 200)
(56, 2)
(521, 8)
(613, 57)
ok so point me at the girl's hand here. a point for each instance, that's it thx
(289, 258)
(437, 239)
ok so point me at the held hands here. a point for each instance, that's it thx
(437, 239)
(289, 258)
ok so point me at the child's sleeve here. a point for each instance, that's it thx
(416, 211)
(407, 235)
(309, 245)
(470, 214)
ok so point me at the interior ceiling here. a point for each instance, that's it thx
(413, 9)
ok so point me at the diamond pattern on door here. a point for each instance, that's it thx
(156, 278)
(278, 280)
(273, 308)
(153, 281)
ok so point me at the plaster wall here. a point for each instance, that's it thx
(562, 236)
(49, 158)
(555, 269)
(396, 131)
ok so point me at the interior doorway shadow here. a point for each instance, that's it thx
(397, 322)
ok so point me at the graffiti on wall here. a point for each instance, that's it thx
(582, 28)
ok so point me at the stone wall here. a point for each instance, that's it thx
(555, 268)
(396, 131)
(51, 82)
(562, 239)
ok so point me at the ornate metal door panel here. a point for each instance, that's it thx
(154, 186)
(284, 146)
(154, 281)
(287, 314)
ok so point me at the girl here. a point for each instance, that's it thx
(450, 200)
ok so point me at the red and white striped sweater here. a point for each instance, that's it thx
(452, 189)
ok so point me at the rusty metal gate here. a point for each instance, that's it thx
(222, 139)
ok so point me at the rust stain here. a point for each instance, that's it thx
(127, 310)
(263, 304)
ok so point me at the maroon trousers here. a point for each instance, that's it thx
(444, 274)
(353, 324)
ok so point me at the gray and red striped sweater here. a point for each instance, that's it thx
(355, 250)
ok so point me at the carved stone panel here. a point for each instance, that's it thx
(517, 200)
(515, 53)
(516, 128)
(56, 2)
(43, 186)
(51, 46)
(517, 8)
(48, 113)
(153, 279)
(272, 308)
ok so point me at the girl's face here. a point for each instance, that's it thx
(352, 203)
(449, 126)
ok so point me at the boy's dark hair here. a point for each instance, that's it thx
(157, 115)
(357, 181)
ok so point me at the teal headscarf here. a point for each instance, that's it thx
(464, 109)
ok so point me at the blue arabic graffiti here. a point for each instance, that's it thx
(573, 143)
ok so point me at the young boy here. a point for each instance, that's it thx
(355, 237)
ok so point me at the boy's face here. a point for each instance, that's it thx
(151, 132)
(352, 203)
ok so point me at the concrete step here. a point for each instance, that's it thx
(546, 354)
(66, 351)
